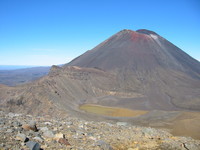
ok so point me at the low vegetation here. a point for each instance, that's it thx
(111, 111)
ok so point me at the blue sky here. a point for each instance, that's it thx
(47, 32)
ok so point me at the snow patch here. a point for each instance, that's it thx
(155, 37)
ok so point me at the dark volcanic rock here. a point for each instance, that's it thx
(33, 145)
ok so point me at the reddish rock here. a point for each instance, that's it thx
(30, 127)
(64, 141)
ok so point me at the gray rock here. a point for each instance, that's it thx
(33, 126)
(103, 145)
(81, 126)
(48, 134)
(150, 132)
(78, 132)
(21, 137)
(33, 145)
(39, 139)
(3, 121)
(9, 131)
(47, 123)
(122, 123)
(37, 134)
(17, 124)
(29, 133)
(109, 124)
(11, 126)
(32, 123)
(11, 115)
(19, 130)
(72, 130)
(69, 123)
(2, 145)
(43, 129)
(191, 146)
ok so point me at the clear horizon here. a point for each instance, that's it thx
(45, 33)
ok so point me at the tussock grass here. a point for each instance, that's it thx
(111, 111)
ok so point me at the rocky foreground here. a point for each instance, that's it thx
(25, 132)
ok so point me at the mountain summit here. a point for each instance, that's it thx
(137, 50)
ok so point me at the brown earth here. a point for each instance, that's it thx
(187, 124)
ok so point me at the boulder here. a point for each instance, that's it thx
(33, 145)
(64, 141)
(58, 136)
(39, 139)
(48, 134)
(103, 145)
(21, 137)
(30, 126)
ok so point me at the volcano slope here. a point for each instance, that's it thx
(138, 70)
(151, 72)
